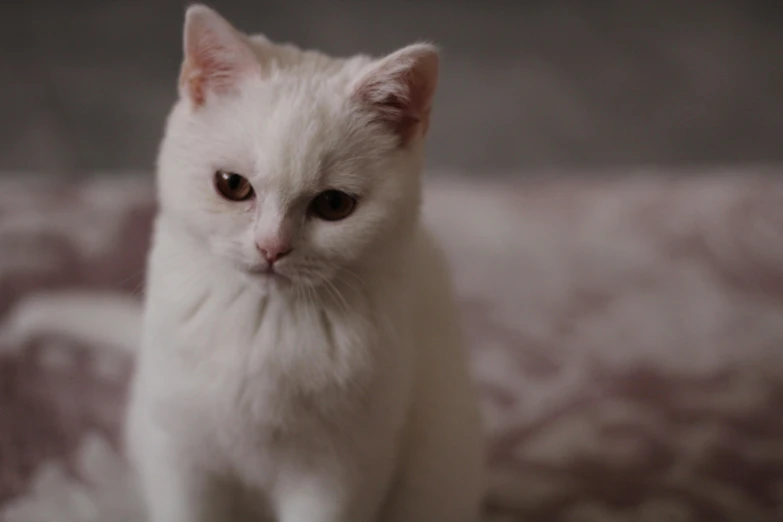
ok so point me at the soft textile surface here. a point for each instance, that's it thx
(627, 336)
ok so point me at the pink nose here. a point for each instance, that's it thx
(273, 251)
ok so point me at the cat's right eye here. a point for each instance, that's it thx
(232, 186)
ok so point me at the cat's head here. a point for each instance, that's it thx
(290, 161)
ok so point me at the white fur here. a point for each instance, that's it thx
(342, 396)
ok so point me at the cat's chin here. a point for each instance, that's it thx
(265, 284)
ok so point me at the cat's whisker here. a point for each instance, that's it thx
(362, 286)
(312, 299)
(137, 274)
(335, 292)
(177, 294)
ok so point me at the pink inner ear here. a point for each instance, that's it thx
(207, 73)
(216, 56)
(400, 91)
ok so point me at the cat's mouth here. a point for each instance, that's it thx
(268, 272)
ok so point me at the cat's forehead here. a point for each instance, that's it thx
(289, 130)
(299, 120)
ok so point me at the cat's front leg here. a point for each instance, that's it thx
(325, 496)
(314, 500)
(175, 486)
(178, 492)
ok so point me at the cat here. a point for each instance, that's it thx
(301, 355)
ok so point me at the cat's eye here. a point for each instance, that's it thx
(333, 205)
(232, 186)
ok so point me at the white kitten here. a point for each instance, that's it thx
(301, 356)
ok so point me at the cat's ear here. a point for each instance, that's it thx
(217, 56)
(398, 89)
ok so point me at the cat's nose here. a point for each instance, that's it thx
(273, 250)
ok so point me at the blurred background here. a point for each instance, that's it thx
(527, 86)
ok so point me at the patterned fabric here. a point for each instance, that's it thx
(627, 337)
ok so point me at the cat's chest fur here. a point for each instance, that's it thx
(251, 370)
(256, 346)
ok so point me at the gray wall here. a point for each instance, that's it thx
(536, 84)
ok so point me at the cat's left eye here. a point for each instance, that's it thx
(333, 205)
(232, 186)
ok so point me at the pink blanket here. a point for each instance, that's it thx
(627, 336)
